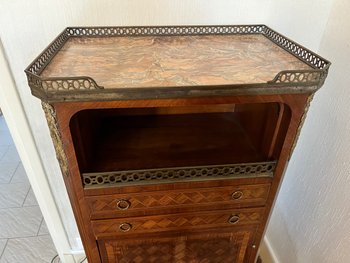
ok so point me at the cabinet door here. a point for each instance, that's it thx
(204, 247)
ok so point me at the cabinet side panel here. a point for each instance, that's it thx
(73, 183)
(298, 106)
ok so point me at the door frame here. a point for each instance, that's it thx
(13, 111)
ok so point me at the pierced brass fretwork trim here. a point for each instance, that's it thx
(165, 175)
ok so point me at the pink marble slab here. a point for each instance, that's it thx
(163, 61)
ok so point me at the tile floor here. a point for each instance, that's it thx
(23, 233)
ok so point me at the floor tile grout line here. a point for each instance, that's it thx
(10, 238)
(3, 251)
(12, 207)
(25, 198)
(15, 183)
(31, 206)
(19, 237)
(42, 220)
(21, 207)
(15, 171)
(8, 146)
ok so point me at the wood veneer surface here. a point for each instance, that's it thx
(163, 61)
(145, 142)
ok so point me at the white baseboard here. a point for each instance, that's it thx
(267, 253)
(76, 257)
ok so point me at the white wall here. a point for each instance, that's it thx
(310, 222)
(303, 21)
(26, 28)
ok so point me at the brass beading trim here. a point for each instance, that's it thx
(165, 175)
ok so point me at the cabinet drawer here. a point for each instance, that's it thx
(121, 205)
(177, 222)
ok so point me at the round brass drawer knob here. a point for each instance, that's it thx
(123, 204)
(125, 227)
(237, 195)
(233, 219)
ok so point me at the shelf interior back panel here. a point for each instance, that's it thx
(166, 61)
(161, 141)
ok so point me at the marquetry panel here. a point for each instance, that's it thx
(219, 197)
(181, 221)
(204, 248)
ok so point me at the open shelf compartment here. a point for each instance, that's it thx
(154, 145)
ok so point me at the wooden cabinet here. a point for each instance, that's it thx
(173, 140)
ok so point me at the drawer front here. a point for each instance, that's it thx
(177, 222)
(171, 201)
(207, 246)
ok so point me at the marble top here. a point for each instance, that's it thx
(170, 61)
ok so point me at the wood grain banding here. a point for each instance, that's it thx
(209, 246)
(162, 202)
(177, 222)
